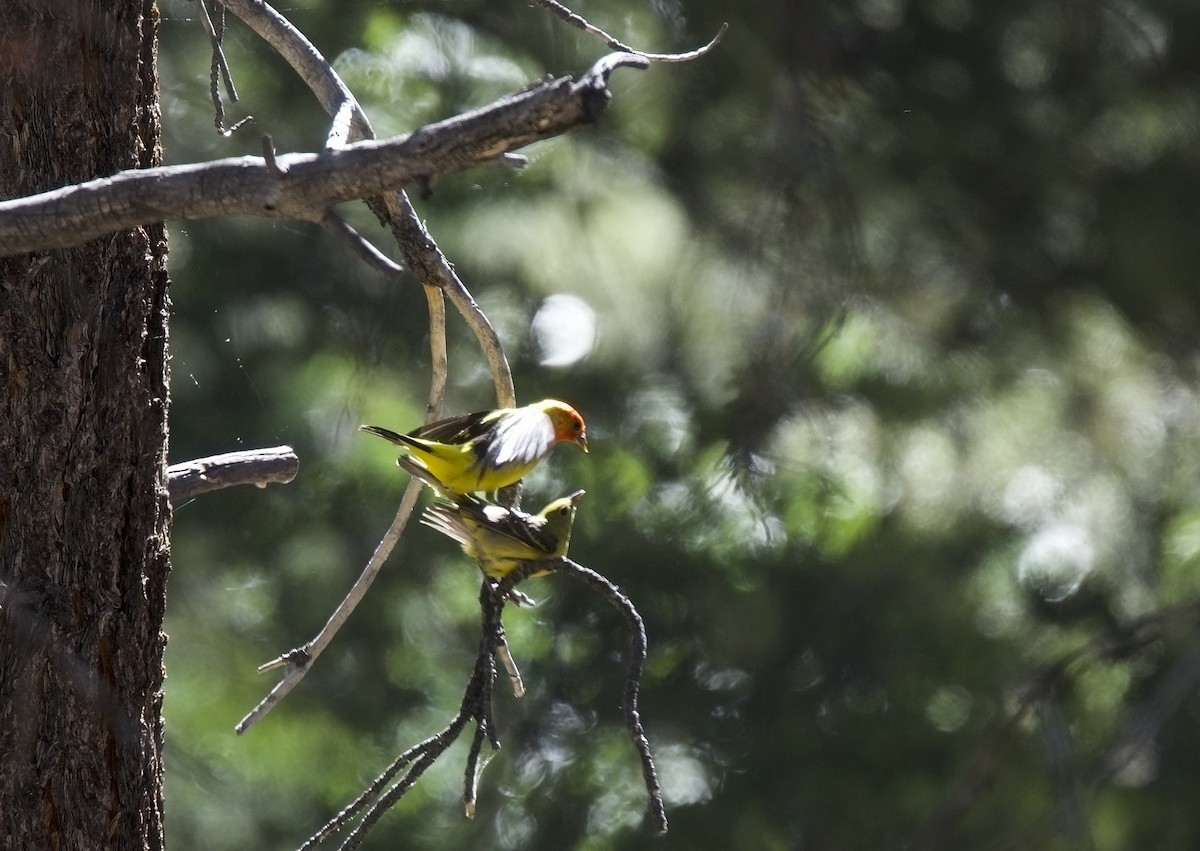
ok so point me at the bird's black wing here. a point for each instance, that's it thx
(457, 430)
(526, 529)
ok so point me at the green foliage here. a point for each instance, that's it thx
(882, 318)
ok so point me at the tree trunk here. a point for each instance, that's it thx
(83, 401)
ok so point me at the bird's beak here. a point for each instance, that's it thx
(575, 497)
(582, 441)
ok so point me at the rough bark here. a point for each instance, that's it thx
(83, 397)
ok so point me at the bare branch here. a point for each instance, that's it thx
(431, 267)
(581, 22)
(258, 467)
(420, 252)
(313, 183)
(477, 705)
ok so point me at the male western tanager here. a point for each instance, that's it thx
(488, 450)
(501, 539)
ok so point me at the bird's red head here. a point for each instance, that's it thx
(568, 425)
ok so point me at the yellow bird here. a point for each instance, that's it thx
(502, 539)
(489, 450)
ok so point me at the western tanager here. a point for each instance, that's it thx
(502, 539)
(488, 450)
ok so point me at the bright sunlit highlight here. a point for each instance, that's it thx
(565, 329)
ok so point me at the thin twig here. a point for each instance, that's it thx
(439, 366)
(216, 32)
(510, 667)
(219, 69)
(258, 467)
(361, 246)
(582, 23)
(305, 59)
(436, 743)
(268, 152)
(299, 660)
(637, 659)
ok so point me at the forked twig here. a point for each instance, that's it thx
(476, 705)
(382, 793)
(299, 659)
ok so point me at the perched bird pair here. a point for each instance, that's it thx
(486, 451)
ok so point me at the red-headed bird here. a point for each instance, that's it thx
(489, 450)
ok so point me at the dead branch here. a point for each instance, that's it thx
(311, 183)
(361, 246)
(259, 467)
(382, 793)
(476, 705)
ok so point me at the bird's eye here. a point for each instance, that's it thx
(577, 425)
